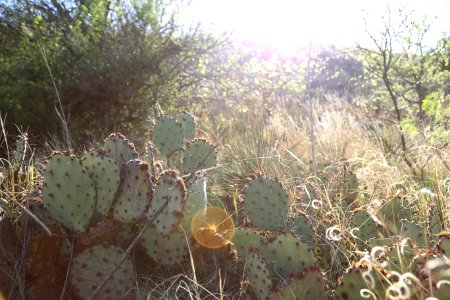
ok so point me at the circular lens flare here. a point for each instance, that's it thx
(212, 227)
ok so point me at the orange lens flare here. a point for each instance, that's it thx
(212, 227)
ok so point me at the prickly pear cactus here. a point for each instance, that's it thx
(244, 239)
(68, 192)
(266, 203)
(444, 246)
(354, 281)
(167, 135)
(364, 227)
(92, 265)
(287, 254)
(435, 221)
(196, 152)
(106, 175)
(400, 257)
(196, 201)
(118, 147)
(134, 194)
(413, 231)
(307, 284)
(302, 227)
(165, 249)
(258, 275)
(189, 125)
(170, 188)
(393, 211)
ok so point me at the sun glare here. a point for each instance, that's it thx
(287, 24)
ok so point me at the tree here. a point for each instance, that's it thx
(110, 61)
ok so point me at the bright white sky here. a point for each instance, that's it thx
(287, 24)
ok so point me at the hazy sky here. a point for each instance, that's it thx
(291, 23)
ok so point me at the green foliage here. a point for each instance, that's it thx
(111, 60)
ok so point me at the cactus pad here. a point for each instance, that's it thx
(434, 221)
(366, 227)
(170, 188)
(413, 231)
(167, 135)
(189, 125)
(444, 246)
(287, 254)
(307, 284)
(195, 152)
(196, 201)
(120, 148)
(68, 192)
(245, 238)
(166, 249)
(106, 175)
(92, 265)
(302, 228)
(351, 283)
(134, 194)
(258, 275)
(393, 211)
(266, 203)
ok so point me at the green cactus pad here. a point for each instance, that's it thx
(170, 188)
(195, 152)
(165, 249)
(150, 157)
(106, 175)
(258, 275)
(167, 135)
(352, 282)
(134, 194)
(444, 246)
(400, 258)
(287, 254)
(434, 221)
(365, 225)
(189, 125)
(383, 242)
(68, 192)
(393, 211)
(266, 203)
(443, 292)
(244, 239)
(118, 147)
(196, 200)
(413, 231)
(307, 284)
(92, 265)
(302, 227)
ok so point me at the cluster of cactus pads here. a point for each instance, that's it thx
(97, 205)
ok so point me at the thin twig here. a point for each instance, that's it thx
(60, 111)
(189, 177)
